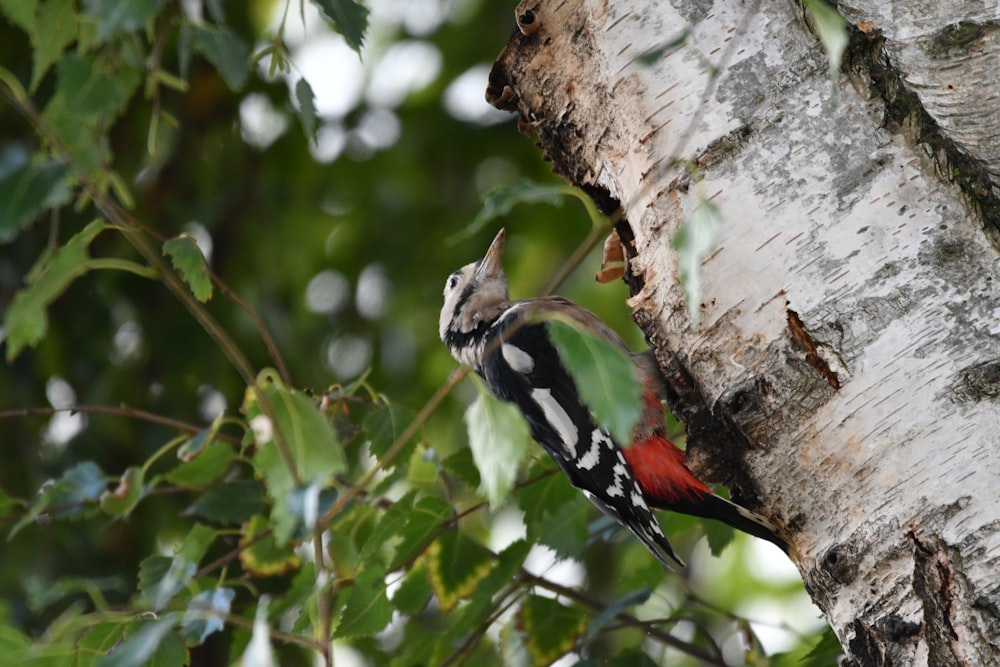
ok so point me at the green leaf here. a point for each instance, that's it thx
(498, 438)
(26, 320)
(502, 200)
(163, 577)
(206, 614)
(208, 466)
(480, 605)
(7, 504)
(83, 136)
(126, 495)
(232, 503)
(604, 376)
(307, 108)
(98, 640)
(309, 442)
(59, 21)
(384, 425)
(115, 17)
(694, 241)
(188, 261)
(549, 501)
(90, 88)
(719, 536)
(27, 188)
(196, 543)
(406, 529)
(349, 18)
(21, 13)
(608, 614)
(831, 28)
(225, 50)
(827, 651)
(265, 557)
(551, 628)
(414, 593)
(455, 567)
(72, 496)
(141, 646)
(463, 466)
(368, 610)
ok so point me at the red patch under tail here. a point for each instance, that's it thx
(659, 468)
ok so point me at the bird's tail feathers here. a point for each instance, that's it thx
(715, 507)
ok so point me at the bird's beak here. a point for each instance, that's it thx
(492, 264)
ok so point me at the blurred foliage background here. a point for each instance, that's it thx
(338, 241)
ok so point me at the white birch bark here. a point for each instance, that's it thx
(845, 376)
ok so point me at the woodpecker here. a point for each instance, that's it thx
(507, 344)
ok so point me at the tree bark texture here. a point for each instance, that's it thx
(845, 375)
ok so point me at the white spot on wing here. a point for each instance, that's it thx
(617, 489)
(593, 455)
(558, 418)
(518, 359)
(638, 500)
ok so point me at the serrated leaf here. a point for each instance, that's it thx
(206, 614)
(551, 628)
(310, 443)
(163, 577)
(502, 200)
(349, 18)
(21, 13)
(27, 190)
(406, 528)
(188, 261)
(97, 641)
(115, 17)
(831, 28)
(455, 567)
(480, 605)
(498, 438)
(26, 320)
(140, 647)
(194, 445)
(59, 21)
(384, 425)
(74, 495)
(604, 375)
(609, 613)
(368, 610)
(719, 536)
(124, 497)
(225, 50)
(90, 88)
(265, 557)
(463, 466)
(694, 241)
(545, 500)
(414, 593)
(208, 466)
(196, 543)
(83, 136)
(827, 651)
(306, 103)
(232, 503)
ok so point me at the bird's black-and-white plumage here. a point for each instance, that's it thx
(507, 343)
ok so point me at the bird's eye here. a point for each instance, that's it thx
(452, 282)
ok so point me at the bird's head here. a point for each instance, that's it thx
(474, 294)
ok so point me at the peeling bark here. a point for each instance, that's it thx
(845, 379)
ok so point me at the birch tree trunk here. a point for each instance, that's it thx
(845, 375)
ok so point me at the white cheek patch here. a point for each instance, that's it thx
(558, 418)
(517, 359)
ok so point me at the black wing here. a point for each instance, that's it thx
(521, 366)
